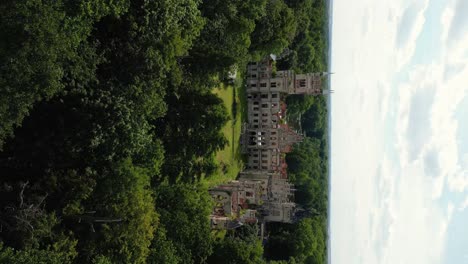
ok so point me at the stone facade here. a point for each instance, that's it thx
(262, 193)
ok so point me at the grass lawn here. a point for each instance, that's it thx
(229, 158)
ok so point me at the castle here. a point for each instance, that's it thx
(262, 193)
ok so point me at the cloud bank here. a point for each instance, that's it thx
(399, 171)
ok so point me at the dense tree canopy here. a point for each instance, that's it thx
(226, 38)
(234, 250)
(241, 245)
(192, 132)
(34, 256)
(125, 197)
(108, 124)
(304, 242)
(274, 31)
(42, 42)
(184, 210)
(308, 173)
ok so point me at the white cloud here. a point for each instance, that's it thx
(358, 101)
(446, 21)
(416, 98)
(418, 233)
(410, 26)
(426, 124)
(459, 24)
(455, 33)
(459, 181)
(455, 89)
(393, 212)
(464, 205)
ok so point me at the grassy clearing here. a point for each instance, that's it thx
(229, 158)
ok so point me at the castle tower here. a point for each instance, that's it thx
(263, 79)
(309, 83)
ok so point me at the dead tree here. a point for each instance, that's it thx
(22, 215)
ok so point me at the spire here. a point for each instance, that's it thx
(327, 73)
(328, 91)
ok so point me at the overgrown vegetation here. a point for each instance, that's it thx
(109, 125)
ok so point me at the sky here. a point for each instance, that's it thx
(399, 132)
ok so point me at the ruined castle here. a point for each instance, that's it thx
(262, 192)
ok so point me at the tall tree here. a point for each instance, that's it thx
(225, 39)
(33, 256)
(191, 132)
(184, 210)
(123, 193)
(274, 31)
(40, 40)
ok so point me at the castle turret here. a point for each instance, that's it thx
(309, 83)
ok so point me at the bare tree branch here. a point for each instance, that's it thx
(23, 187)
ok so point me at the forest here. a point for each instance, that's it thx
(109, 128)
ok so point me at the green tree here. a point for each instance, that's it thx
(163, 249)
(234, 250)
(191, 132)
(225, 39)
(53, 255)
(184, 210)
(125, 194)
(303, 242)
(309, 243)
(11, 256)
(274, 31)
(34, 47)
(306, 172)
(41, 42)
